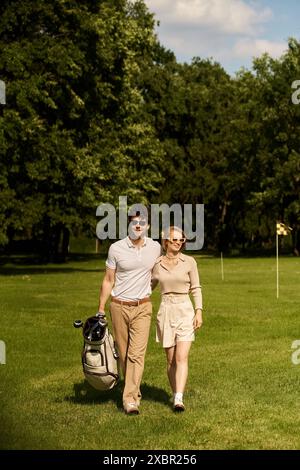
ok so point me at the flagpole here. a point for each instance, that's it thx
(277, 265)
(222, 266)
(282, 230)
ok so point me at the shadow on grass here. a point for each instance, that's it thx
(20, 265)
(84, 394)
(17, 271)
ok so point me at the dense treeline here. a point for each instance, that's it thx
(97, 108)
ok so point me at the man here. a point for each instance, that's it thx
(128, 280)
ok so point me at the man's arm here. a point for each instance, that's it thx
(106, 287)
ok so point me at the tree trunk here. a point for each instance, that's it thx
(296, 241)
(65, 244)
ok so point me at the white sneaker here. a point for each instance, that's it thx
(178, 404)
(131, 409)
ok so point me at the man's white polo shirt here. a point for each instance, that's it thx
(133, 267)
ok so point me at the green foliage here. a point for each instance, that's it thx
(231, 143)
(277, 190)
(73, 132)
(98, 108)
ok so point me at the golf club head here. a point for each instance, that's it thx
(102, 319)
(78, 324)
(94, 328)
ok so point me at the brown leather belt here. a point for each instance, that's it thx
(131, 303)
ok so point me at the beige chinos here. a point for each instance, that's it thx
(131, 326)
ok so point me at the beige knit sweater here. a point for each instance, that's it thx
(183, 278)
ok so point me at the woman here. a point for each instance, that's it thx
(177, 275)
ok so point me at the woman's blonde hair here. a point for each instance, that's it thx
(165, 236)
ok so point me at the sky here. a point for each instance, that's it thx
(230, 32)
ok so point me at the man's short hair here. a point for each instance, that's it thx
(143, 214)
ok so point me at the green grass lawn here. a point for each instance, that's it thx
(243, 390)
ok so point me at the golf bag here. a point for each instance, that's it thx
(99, 355)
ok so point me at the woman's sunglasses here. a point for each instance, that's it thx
(181, 240)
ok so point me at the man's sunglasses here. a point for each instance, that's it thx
(142, 223)
(181, 240)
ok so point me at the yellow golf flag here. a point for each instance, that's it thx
(282, 229)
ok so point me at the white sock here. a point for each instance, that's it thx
(178, 396)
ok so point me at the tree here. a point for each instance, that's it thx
(190, 105)
(73, 132)
(278, 156)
